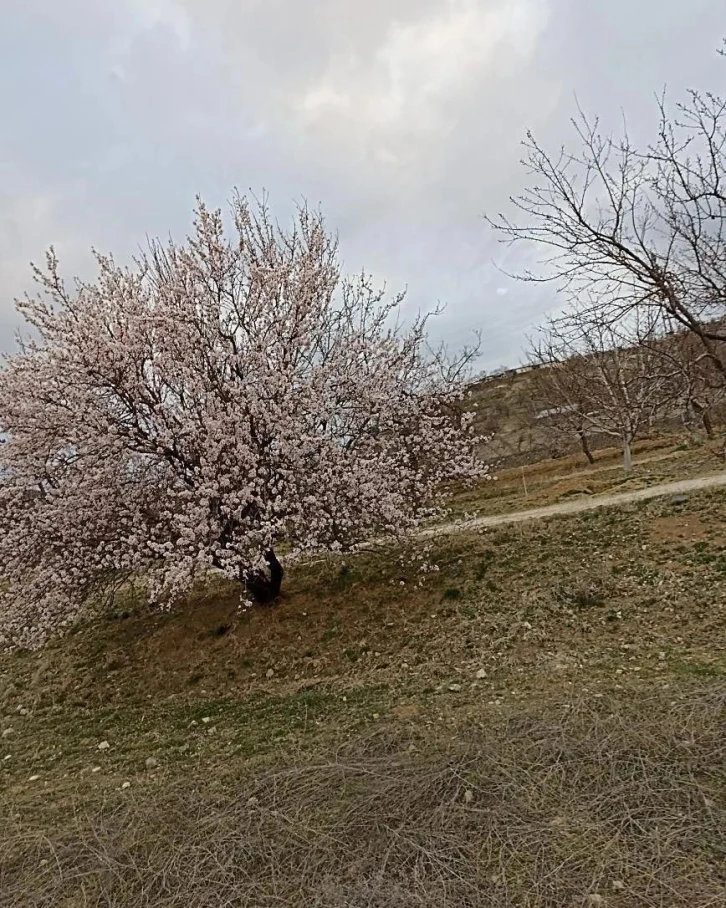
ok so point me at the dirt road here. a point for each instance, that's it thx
(683, 486)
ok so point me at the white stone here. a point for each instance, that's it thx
(126, 785)
(481, 674)
(104, 745)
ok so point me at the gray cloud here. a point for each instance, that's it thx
(402, 119)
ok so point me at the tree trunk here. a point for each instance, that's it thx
(703, 411)
(263, 589)
(627, 456)
(586, 447)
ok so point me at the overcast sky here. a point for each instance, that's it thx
(401, 119)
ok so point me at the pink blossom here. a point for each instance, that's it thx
(221, 399)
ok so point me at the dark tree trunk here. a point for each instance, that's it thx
(262, 588)
(586, 447)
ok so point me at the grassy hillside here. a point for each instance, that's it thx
(540, 722)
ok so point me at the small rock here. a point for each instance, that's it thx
(7, 732)
(96, 769)
(44, 862)
(23, 711)
(455, 688)
(184, 748)
(661, 657)
(270, 673)
(33, 778)
(376, 716)
(618, 885)
(151, 763)
(252, 802)
(206, 719)
(527, 625)
(104, 745)
(212, 730)
(7, 757)
(468, 796)
(481, 674)
(126, 785)
(679, 499)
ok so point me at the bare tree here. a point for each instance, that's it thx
(642, 229)
(598, 380)
(557, 402)
(694, 386)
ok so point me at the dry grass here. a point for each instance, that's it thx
(548, 808)
(588, 764)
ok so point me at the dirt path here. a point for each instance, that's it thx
(682, 486)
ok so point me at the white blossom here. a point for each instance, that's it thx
(219, 400)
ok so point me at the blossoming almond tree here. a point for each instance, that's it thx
(218, 404)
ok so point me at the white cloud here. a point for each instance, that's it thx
(373, 91)
(170, 14)
(401, 118)
(409, 80)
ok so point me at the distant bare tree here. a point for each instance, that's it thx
(557, 400)
(642, 229)
(599, 380)
(695, 385)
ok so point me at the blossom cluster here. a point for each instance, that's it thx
(221, 398)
